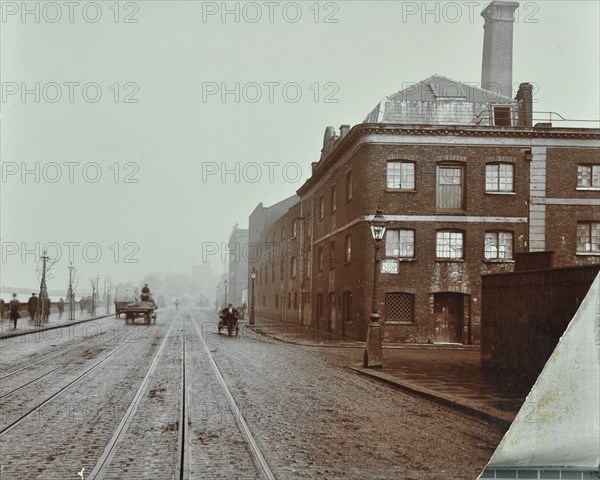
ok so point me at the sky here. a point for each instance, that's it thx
(135, 135)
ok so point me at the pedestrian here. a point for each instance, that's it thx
(1, 309)
(48, 306)
(145, 293)
(15, 307)
(61, 307)
(82, 304)
(32, 306)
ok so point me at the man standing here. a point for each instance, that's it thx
(61, 307)
(32, 306)
(145, 293)
(15, 306)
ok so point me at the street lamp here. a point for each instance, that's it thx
(71, 298)
(217, 300)
(373, 350)
(97, 300)
(253, 277)
(225, 282)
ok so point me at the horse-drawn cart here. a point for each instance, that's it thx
(147, 310)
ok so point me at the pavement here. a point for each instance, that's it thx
(26, 325)
(450, 374)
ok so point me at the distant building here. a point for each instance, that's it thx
(237, 250)
(465, 181)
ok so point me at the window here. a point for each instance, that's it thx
(502, 116)
(400, 243)
(349, 186)
(293, 268)
(400, 307)
(320, 258)
(321, 207)
(273, 272)
(276, 301)
(449, 188)
(498, 246)
(347, 306)
(499, 177)
(332, 255)
(294, 228)
(289, 302)
(281, 267)
(401, 175)
(319, 307)
(333, 202)
(348, 248)
(588, 237)
(449, 245)
(295, 300)
(266, 274)
(282, 233)
(308, 260)
(588, 176)
(308, 225)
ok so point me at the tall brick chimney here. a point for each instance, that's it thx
(525, 98)
(496, 71)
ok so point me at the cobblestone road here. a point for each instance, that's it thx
(131, 414)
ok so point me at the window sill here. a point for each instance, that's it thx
(393, 322)
(588, 189)
(450, 212)
(400, 190)
(588, 254)
(498, 260)
(500, 193)
(450, 260)
(401, 259)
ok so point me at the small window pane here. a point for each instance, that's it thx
(401, 175)
(588, 237)
(588, 176)
(400, 243)
(449, 245)
(499, 177)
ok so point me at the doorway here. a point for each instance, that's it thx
(448, 310)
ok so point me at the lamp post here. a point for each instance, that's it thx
(108, 292)
(225, 282)
(217, 300)
(253, 277)
(71, 297)
(96, 305)
(373, 350)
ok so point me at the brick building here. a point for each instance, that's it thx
(237, 279)
(465, 181)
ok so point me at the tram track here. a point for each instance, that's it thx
(65, 388)
(111, 447)
(257, 456)
(45, 358)
(64, 365)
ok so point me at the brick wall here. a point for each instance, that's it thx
(524, 314)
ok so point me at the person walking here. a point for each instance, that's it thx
(61, 307)
(32, 306)
(15, 307)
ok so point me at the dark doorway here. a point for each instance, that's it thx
(449, 317)
(331, 312)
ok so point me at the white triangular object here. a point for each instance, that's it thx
(559, 423)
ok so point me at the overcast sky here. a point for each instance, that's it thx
(162, 121)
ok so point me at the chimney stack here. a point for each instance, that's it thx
(496, 71)
(525, 99)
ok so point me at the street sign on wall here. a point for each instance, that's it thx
(390, 266)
